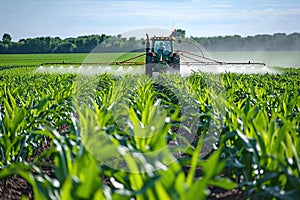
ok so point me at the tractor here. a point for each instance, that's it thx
(160, 55)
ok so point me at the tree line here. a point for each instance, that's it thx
(264, 42)
(106, 43)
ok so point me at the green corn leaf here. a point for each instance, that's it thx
(224, 183)
(161, 192)
(197, 191)
(194, 162)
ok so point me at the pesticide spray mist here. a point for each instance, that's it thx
(86, 88)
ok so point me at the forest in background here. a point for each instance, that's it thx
(107, 43)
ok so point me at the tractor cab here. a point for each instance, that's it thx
(161, 57)
(162, 45)
(162, 49)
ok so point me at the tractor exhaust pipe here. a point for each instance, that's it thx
(147, 43)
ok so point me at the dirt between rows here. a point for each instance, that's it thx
(17, 187)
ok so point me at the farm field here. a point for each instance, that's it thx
(35, 60)
(271, 58)
(203, 136)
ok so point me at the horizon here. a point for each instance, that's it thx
(242, 36)
(37, 18)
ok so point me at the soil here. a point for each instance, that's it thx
(218, 193)
(15, 188)
(18, 187)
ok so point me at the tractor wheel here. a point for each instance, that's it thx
(176, 62)
(149, 64)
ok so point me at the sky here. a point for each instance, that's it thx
(73, 18)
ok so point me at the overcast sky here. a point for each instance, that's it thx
(72, 18)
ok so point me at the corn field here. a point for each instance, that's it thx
(135, 137)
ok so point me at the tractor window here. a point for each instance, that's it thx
(162, 46)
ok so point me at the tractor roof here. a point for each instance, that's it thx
(163, 38)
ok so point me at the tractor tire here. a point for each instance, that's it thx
(176, 62)
(149, 64)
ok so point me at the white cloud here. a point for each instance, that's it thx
(79, 17)
(222, 4)
(279, 5)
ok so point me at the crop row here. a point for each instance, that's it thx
(33, 60)
(106, 137)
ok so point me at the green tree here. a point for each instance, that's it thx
(6, 39)
(180, 33)
(65, 47)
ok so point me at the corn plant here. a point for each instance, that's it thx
(123, 134)
(261, 124)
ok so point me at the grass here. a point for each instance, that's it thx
(29, 60)
(35, 60)
(271, 58)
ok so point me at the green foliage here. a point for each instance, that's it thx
(34, 60)
(6, 39)
(106, 137)
(105, 43)
(265, 42)
(262, 141)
